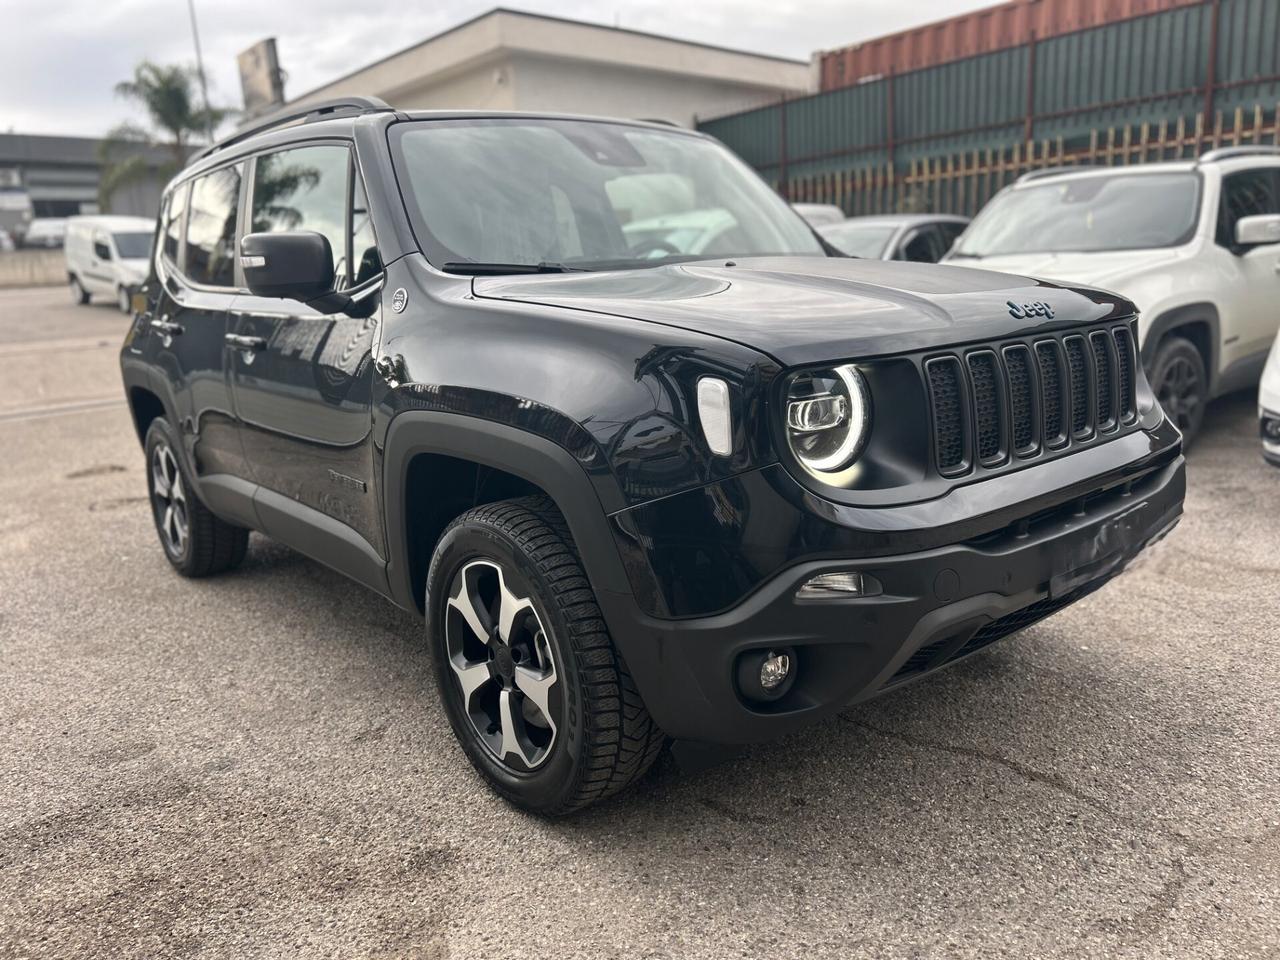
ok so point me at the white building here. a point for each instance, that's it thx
(509, 60)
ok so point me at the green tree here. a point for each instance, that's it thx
(167, 93)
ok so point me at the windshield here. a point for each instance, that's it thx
(132, 246)
(860, 239)
(1120, 212)
(585, 195)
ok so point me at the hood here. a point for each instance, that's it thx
(810, 309)
(1106, 268)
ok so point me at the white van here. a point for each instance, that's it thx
(108, 256)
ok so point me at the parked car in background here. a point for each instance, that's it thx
(1195, 244)
(6, 241)
(918, 237)
(819, 214)
(45, 232)
(108, 256)
(1269, 406)
(712, 496)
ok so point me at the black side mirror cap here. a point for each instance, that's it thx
(293, 265)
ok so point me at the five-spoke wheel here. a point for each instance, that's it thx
(197, 542)
(169, 500)
(535, 690)
(500, 654)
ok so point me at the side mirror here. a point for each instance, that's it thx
(295, 265)
(1252, 231)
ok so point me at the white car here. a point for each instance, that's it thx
(819, 214)
(45, 232)
(1195, 244)
(1269, 407)
(108, 256)
(917, 237)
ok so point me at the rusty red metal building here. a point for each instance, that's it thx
(998, 27)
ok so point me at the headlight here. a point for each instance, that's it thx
(827, 417)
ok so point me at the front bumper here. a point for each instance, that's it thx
(937, 606)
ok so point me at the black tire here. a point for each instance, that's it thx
(209, 545)
(79, 295)
(1181, 384)
(604, 739)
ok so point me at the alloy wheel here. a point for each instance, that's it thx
(169, 500)
(1180, 392)
(502, 660)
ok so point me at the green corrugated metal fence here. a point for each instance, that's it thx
(1197, 75)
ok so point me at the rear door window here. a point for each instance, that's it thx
(211, 228)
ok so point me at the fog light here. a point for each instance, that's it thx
(838, 586)
(775, 670)
(1271, 429)
(765, 675)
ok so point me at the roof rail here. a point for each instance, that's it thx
(1229, 153)
(323, 110)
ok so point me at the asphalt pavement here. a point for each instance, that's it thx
(255, 765)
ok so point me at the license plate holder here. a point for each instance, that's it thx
(1098, 551)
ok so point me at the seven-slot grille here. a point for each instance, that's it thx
(991, 404)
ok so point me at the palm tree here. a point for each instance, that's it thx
(168, 95)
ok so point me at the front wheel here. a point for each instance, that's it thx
(79, 295)
(1181, 385)
(124, 301)
(535, 690)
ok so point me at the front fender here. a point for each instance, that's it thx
(577, 481)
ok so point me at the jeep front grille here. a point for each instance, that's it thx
(1013, 401)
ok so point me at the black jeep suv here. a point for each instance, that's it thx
(650, 459)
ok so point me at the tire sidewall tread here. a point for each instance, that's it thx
(607, 740)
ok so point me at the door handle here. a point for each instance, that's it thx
(245, 343)
(166, 327)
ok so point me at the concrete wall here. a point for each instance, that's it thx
(506, 60)
(32, 268)
(561, 85)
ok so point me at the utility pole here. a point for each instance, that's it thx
(204, 86)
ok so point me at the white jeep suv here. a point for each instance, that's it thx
(1195, 244)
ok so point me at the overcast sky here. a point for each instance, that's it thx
(60, 59)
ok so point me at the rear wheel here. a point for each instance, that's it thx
(535, 690)
(197, 543)
(79, 295)
(1181, 384)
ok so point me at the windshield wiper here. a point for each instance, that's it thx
(486, 269)
(965, 256)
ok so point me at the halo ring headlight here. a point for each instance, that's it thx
(827, 417)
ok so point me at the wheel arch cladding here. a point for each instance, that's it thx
(1196, 322)
(429, 452)
(145, 407)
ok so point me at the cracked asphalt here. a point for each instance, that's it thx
(254, 766)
